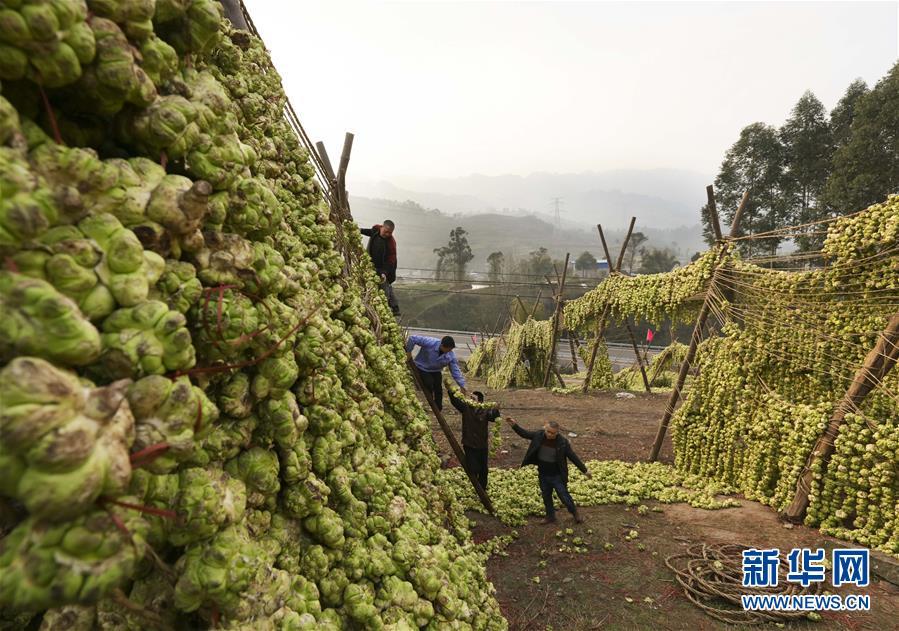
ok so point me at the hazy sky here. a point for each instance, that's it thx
(453, 88)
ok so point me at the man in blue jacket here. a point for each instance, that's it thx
(551, 451)
(433, 356)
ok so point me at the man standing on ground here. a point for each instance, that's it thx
(474, 434)
(382, 250)
(551, 451)
(433, 356)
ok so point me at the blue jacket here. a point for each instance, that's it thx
(430, 359)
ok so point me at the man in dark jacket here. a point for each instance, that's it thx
(474, 434)
(382, 250)
(551, 451)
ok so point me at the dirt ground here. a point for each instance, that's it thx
(540, 587)
(606, 427)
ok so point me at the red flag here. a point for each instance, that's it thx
(649, 335)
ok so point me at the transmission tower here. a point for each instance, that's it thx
(557, 203)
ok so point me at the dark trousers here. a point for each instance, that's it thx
(433, 383)
(550, 483)
(391, 298)
(476, 463)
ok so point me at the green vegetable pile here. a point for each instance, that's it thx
(518, 358)
(654, 297)
(790, 345)
(198, 426)
(661, 371)
(515, 494)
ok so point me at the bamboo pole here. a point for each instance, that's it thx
(571, 340)
(450, 437)
(724, 247)
(627, 325)
(572, 350)
(630, 333)
(559, 377)
(555, 332)
(600, 331)
(524, 310)
(713, 212)
(326, 163)
(536, 302)
(627, 238)
(604, 316)
(879, 361)
(341, 170)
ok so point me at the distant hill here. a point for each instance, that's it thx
(420, 230)
(661, 198)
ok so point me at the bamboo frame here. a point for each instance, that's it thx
(724, 247)
(879, 361)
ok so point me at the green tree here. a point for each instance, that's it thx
(443, 254)
(585, 262)
(655, 261)
(755, 163)
(495, 266)
(808, 146)
(633, 245)
(866, 168)
(453, 258)
(540, 263)
(843, 113)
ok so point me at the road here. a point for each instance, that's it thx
(621, 355)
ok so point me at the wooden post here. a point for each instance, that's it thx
(600, 331)
(341, 171)
(601, 324)
(552, 349)
(630, 333)
(724, 247)
(330, 180)
(573, 350)
(536, 302)
(326, 163)
(627, 325)
(655, 374)
(571, 340)
(559, 377)
(877, 364)
(713, 212)
(627, 238)
(735, 226)
(450, 437)
(524, 310)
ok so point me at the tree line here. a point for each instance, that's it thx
(815, 167)
(454, 257)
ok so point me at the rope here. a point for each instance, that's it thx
(786, 230)
(712, 579)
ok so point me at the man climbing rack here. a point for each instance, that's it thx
(433, 356)
(382, 250)
(474, 432)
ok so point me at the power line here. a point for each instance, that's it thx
(433, 269)
(468, 292)
(488, 283)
